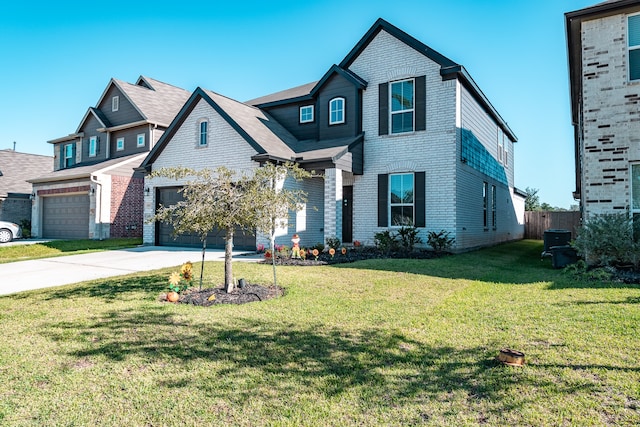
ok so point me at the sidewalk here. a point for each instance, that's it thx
(47, 272)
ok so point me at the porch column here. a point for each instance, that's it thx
(332, 203)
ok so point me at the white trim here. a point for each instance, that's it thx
(118, 140)
(412, 110)
(115, 103)
(306, 107)
(138, 140)
(342, 110)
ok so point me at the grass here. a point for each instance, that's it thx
(63, 247)
(384, 342)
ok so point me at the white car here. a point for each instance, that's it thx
(9, 231)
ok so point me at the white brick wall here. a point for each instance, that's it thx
(611, 117)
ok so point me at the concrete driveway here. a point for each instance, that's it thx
(47, 272)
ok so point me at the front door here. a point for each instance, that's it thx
(347, 214)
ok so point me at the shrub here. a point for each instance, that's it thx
(319, 246)
(607, 239)
(385, 241)
(440, 241)
(333, 242)
(409, 237)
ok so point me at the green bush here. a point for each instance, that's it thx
(440, 241)
(409, 237)
(607, 239)
(333, 242)
(386, 241)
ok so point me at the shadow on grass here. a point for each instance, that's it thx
(249, 359)
(510, 263)
(109, 289)
(90, 244)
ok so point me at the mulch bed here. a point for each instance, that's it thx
(250, 293)
(354, 255)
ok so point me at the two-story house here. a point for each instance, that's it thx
(400, 134)
(604, 69)
(93, 191)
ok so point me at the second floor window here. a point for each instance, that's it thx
(120, 144)
(140, 140)
(204, 132)
(634, 47)
(306, 114)
(402, 107)
(336, 111)
(68, 155)
(93, 146)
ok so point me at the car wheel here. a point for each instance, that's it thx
(5, 235)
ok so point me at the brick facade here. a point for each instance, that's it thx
(127, 204)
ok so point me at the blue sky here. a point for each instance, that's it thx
(57, 58)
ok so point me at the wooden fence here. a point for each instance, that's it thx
(535, 223)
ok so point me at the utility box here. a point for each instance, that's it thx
(556, 238)
(561, 256)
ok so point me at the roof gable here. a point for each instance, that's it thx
(102, 119)
(16, 168)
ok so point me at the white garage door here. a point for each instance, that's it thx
(65, 217)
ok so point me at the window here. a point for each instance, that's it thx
(306, 114)
(634, 47)
(401, 199)
(500, 145)
(93, 146)
(485, 204)
(68, 155)
(402, 107)
(506, 151)
(115, 103)
(120, 144)
(336, 111)
(204, 132)
(140, 140)
(494, 221)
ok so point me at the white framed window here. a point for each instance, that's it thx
(140, 140)
(500, 145)
(506, 151)
(120, 144)
(402, 106)
(306, 114)
(115, 103)
(336, 111)
(401, 199)
(633, 31)
(485, 204)
(68, 155)
(203, 138)
(93, 146)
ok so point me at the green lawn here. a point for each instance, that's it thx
(381, 342)
(63, 247)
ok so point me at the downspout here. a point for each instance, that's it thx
(98, 203)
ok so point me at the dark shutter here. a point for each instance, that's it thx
(419, 200)
(61, 156)
(383, 109)
(73, 154)
(421, 103)
(383, 204)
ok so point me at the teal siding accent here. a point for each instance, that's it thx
(474, 154)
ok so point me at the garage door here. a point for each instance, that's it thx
(65, 217)
(164, 237)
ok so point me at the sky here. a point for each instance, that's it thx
(58, 57)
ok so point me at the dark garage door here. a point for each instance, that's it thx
(164, 237)
(65, 217)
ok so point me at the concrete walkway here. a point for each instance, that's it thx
(47, 272)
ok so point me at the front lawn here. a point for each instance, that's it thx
(63, 247)
(378, 342)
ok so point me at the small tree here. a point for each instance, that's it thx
(272, 201)
(212, 200)
(532, 201)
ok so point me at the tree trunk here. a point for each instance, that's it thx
(228, 257)
(204, 248)
(273, 256)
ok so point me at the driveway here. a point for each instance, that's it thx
(47, 272)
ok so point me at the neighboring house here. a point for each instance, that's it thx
(93, 191)
(399, 133)
(15, 192)
(604, 69)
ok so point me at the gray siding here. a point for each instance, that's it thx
(126, 112)
(89, 129)
(289, 117)
(130, 141)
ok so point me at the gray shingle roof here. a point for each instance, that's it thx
(294, 92)
(86, 171)
(159, 104)
(17, 168)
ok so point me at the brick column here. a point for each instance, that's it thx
(332, 203)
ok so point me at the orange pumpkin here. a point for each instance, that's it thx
(172, 296)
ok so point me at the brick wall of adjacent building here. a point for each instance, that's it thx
(127, 204)
(15, 210)
(611, 117)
